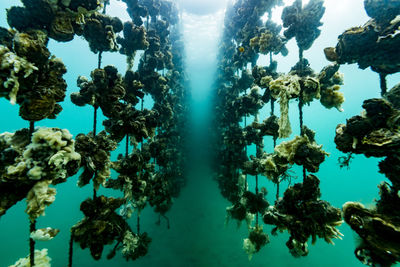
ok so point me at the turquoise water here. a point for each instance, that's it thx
(198, 236)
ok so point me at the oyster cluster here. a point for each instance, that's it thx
(29, 75)
(31, 164)
(240, 94)
(375, 132)
(151, 171)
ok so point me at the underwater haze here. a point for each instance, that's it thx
(198, 234)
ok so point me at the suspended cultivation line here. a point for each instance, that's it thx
(300, 210)
(38, 158)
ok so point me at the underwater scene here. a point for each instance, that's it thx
(199, 133)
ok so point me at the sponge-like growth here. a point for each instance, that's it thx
(256, 240)
(135, 246)
(11, 67)
(41, 260)
(302, 151)
(286, 87)
(40, 196)
(330, 80)
(49, 156)
(44, 234)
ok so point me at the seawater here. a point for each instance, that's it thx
(198, 236)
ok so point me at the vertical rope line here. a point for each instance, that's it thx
(141, 149)
(272, 106)
(382, 77)
(31, 128)
(99, 59)
(277, 190)
(301, 112)
(101, 52)
(71, 249)
(127, 146)
(95, 106)
(301, 55)
(257, 194)
(95, 109)
(94, 136)
(105, 5)
(301, 125)
(274, 138)
(32, 228)
(301, 104)
(95, 121)
(32, 223)
(272, 114)
(138, 223)
(245, 147)
(94, 193)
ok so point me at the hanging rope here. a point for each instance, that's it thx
(245, 150)
(32, 228)
(32, 223)
(138, 223)
(301, 112)
(382, 77)
(70, 251)
(277, 190)
(141, 149)
(301, 104)
(301, 126)
(272, 106)
(95, 107)
(105, 5)
(99, 59)
(270, 59)
(301, 56)
(274, 138)
(94, 135)
(31, 128)
(94, 120)
(257, 194)
(127, 146)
